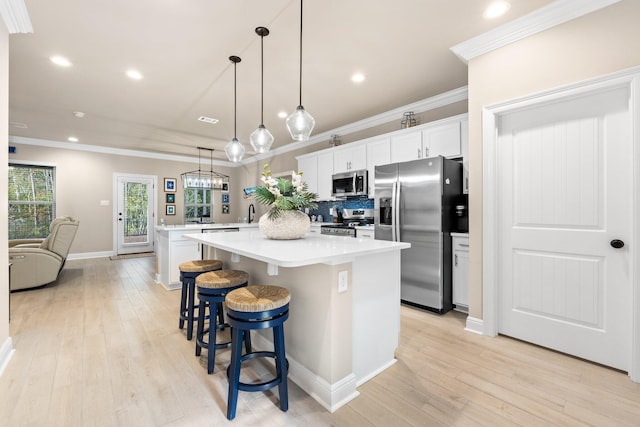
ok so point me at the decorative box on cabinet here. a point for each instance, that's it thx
(460, 244)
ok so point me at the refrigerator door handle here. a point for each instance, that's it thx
(396, 211)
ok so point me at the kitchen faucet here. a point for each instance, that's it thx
(251, 209)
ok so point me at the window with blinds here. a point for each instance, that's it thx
(32, 200)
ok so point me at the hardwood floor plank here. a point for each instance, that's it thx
(101, 346)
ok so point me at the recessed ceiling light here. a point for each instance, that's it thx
(61, 61)
(72, 139)
(134, 74)
(78, 114)
(496, 9)
(209, 120)
(282, 114)
(357, 78)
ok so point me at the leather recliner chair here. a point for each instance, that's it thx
(36, 262)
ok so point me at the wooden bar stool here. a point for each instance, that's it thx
(189, 270)
(257, 307)
(213, 287)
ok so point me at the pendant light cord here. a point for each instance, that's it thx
(300, 103)
(262, 80)
(235, 98)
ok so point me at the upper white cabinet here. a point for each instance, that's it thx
(464, 148)
(349, 158)
(325, 170)
(378, 153)
(406, 146)
(442, 141)
(309, 168)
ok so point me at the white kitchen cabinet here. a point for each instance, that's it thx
(350, 158)
(406, 146)
(378, 153)
(460, 265)
(442, 140)
(464, 147)
(309, 168)
(172, 250)
(365, 233)
(325, 171)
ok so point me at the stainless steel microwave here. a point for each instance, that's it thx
(352, 183)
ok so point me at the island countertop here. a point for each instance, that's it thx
(310, 249)
(209, 226)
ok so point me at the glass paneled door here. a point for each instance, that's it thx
(135, 214)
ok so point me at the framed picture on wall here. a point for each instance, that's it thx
(171, 209)
(169, 184)
(225, 198)
(225, 186)
(225, 209)
(171, 198)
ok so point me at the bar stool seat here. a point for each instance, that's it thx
(257, 307)
(213, 287)
(189, 270)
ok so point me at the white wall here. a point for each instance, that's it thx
(596, 44)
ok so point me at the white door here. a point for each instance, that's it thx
(564, 189)
(134, 214)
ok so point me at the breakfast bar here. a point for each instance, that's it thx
(345, 304)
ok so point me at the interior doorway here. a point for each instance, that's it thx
(134, 214)
(560, 220)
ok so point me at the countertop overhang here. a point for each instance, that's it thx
(310, 249)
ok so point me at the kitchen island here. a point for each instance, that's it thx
(172, 248)
(344, 316)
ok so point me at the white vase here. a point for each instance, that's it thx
(288, 226)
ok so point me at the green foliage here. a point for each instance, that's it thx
(283, 194)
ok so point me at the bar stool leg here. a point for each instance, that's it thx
(202, 307)
(213, 328)
(234, 374)
(183, 305)
(190, 318)
(281, 366)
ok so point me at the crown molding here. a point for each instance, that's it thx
(109, 150)
(444, 99)
(15, 16)
(546, 17)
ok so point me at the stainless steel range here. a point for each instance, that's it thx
(350, 219)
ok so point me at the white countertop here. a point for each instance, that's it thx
(182, 227)
(313, 248)
(459, 234)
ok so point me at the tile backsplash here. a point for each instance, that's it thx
(350, 203)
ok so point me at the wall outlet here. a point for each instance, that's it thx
(343, 281)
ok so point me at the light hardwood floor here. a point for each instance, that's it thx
(101, 347)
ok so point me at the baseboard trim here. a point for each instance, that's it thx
(90, 255)
(6, 352)
(475, 325)
(330, 396)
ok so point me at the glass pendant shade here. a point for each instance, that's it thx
(261, 139)
(234, 150)
(300, 124)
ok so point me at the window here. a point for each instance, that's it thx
(32, 202)
(197, 205)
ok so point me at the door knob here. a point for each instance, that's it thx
(617, 243)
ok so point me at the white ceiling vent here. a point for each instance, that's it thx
(209, 120)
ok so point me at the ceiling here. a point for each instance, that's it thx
(182, 50)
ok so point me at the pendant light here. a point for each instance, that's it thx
(300, 123)
(261, 139)
(233, 149)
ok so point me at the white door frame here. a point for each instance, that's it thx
(490, 249)
(154, 178)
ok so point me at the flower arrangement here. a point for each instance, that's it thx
(283, 194)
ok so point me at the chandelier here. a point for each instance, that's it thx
(210, 179)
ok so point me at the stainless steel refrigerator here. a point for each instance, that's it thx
(415, 203)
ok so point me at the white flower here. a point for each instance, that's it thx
(275, 191)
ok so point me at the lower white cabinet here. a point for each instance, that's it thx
(173, 249)
(460, 244)
(365, 233)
